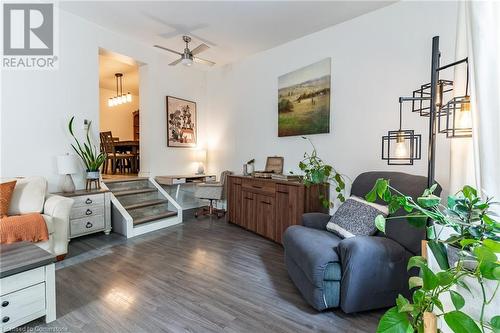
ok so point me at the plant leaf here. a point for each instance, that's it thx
(484, 254)
(417, 219)
(429, 278)
(438, 249)
(492, 245)
(416, 261)
(372, 195)
(394, 322)
(403, 304)
(380, 223)
(457, 299)
(459, 322)
(429, 201)
(445, 278)
(414, 282)
(495, 323)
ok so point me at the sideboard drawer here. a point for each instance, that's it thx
(86, 211)
(22, 280)
(88, 200)
(86, 225)
(259, 186)
(22, 303)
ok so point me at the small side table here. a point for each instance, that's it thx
(91, 212)
(28, 292)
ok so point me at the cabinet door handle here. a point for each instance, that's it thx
(265, 202)
(285, 192)
(88, 212)
(5, 303)
(89, 225)
(248, 198)
(5, 319)
(256, 186)
(88, 201)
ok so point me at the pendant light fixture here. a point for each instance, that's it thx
(455, 117)
(401, 147)
(120, 97)
(452, 117)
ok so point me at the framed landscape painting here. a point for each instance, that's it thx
(304, 100)
(181, 123)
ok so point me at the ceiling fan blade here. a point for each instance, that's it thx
(203, 61)
(166, 49)
(200, 48)
(173, 63)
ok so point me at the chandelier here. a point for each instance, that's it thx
(120, 97)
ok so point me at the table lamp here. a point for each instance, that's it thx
(67, 165)
(201, 157)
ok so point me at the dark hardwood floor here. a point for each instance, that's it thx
(201, 276)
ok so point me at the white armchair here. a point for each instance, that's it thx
(212, 191)
(30, 196)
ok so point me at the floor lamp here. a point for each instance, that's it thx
(403, 146)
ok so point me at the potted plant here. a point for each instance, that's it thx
(91, 157)
(476, 240)
(316, 171)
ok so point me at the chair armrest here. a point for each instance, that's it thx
(59, 208)
(315, 220)
(373, 272)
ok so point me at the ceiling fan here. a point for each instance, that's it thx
(188, 57)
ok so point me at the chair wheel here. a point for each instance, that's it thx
(196, 215)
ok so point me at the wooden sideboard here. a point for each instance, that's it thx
(267, 207)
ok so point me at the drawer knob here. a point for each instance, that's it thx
(88, 212)
(88, 225)
(5, 319)
(5, 303)
(88, 201)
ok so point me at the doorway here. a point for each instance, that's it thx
(119, 114)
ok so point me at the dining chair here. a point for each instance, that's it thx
(117, 159)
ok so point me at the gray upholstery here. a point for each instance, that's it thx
(397, 229)
(372, 268)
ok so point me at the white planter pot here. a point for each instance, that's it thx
(93, 175)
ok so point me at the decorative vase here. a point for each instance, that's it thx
(93, 175)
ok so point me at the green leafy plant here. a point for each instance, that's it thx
(91, 157)
(316, 171)
(477, 237)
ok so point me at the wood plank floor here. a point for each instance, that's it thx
(200, 276)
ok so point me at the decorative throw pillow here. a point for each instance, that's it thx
(6, 190)
(356, 217)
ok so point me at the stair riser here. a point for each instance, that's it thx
(130, 185)
(126, 200)
(148, 211)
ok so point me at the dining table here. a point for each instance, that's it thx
(131, 146)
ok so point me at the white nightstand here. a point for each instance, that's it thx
(91, 212)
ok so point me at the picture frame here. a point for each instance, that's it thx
(182, 122)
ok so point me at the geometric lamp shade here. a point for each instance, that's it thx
(401, 147)
(455, 118)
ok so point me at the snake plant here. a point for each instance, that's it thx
(91, 157)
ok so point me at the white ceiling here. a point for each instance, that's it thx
(109, 64)
(233, 29)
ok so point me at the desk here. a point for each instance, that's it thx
(131, 146)
(183, 179)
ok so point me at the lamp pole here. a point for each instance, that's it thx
(431, 158)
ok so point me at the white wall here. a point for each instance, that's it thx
(118, 119)
(375, 59)
(36, 105)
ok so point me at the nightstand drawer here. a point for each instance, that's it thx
(86, 211)
(86, 225)
(88, 200)
(21, 304)
(22, 280)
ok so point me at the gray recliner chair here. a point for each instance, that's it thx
(360, 273)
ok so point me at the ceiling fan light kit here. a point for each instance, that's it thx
(187, 57)
(120, 97)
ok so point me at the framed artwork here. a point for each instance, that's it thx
(181, 123)
(304, 100)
